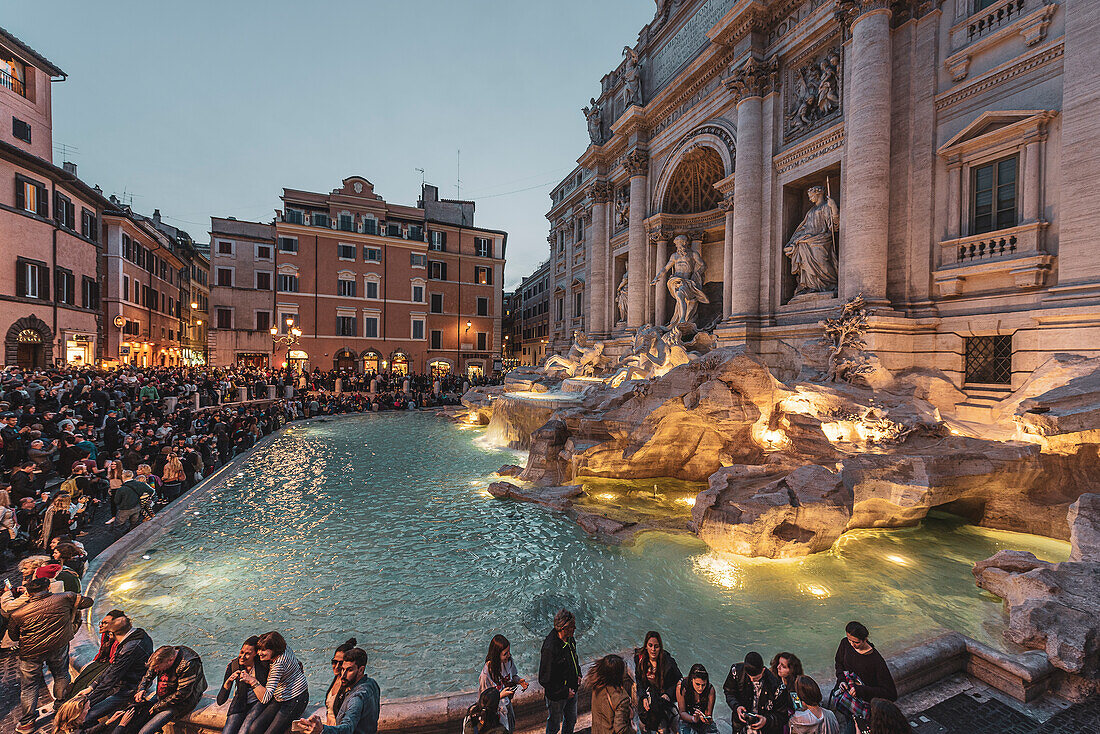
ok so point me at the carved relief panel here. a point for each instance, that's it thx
(813, 96)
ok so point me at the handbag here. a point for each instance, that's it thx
(846, 701)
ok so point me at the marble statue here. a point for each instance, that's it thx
(593, 116)
(816, 92)
(622, 209)
(812, 247)
(621, 295)
(581, 361)
(652, 354)
(632, 76)
(685, 284)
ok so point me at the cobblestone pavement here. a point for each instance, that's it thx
(965, 714)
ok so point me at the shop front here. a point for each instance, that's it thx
(399, 363)
(79, 348)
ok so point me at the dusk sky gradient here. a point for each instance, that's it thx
(204, 108)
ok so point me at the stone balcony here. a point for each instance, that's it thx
(1011, 258)
(993, 25)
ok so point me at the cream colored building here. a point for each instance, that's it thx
(960, 140)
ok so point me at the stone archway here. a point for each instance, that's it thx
(29, 343)
(691, 188)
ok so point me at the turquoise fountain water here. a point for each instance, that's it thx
(380, 527)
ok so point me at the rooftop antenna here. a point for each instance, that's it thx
(65, 150)
(458, 177)
(421, 176)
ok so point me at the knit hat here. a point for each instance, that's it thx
(48, 571)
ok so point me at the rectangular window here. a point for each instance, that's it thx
(482, 341)
(345, 288)
(89, 292)
(419, 259)
(346, 223)
(288, 244)
(483, 247)
(20, 129)
(438, 270)
(317, 219)
(437, 339)
(263, 280)
(418, 294)
(561, 309)
(286, 320)
(89, 225)
(370, 226)
(225, 248)
(345, 252)
(437, 303)
(345, 326)
(370, 327)
(64, 286)
(578, 301)
(439, 241)
(989, 360)
(225, 277)
(416, 233)
(993, 201)
(64, 213)
(294, 216)
(372, 289)
(482, 306)
(393, 230)
(32, 279)
(263, 320)
(288, 283)
(372, 254)
(263, 252)
(418, 329)
(483, 276)
(31, 196)
(224, 318)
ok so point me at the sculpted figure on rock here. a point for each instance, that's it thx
(685, 283)
(582, 360)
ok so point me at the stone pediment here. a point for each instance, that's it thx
(994, 125)
(358, 186)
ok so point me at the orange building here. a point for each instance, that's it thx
(375, 286)
(50, 226)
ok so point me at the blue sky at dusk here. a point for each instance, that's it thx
(206, 108)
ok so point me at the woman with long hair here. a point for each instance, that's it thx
(173, 476)
(610, 684)
(884, 717)
(336, 692)
(244, 707)
(658, 675)
(695, 701)
(500, 673)
(69, 717)
(484, 716)
(787, 667)
(56, 520)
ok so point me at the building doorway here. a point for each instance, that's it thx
(29, 343)
(440, 368)
(371, 361)
(474, 370)
(345, 361)
(399, 365)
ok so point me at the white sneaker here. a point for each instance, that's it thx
(110, 522)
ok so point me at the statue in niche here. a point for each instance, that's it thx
(621, 293)
(685, 284)
(582, 360)
(812, 247)
(632, 77)
(594, 117)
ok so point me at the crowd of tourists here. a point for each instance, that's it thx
(132, 687)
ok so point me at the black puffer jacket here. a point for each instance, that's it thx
(772, 704)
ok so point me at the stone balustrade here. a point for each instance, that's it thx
(1004, 243)
(987, 20)
(1015, 256)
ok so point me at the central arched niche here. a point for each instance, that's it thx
(691, 188)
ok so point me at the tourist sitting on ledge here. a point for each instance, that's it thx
(610, 685)
(484, 716)
(755, 696)
(695, 702)
(358, 704)
(658, 676)
(245, 706)
(180, 684)
(861, 674)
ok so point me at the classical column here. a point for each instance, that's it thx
(600, 193)
(659, 315)
(866, 212)
(749, 84)
(1031, 181)
(637, 166)
(726, 205)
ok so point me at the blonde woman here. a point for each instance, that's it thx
(57, 520)
(9, 527)
(173, 476)
(70, 715)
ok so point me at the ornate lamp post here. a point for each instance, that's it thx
(293, 336)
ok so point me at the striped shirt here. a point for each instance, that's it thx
(286, 679)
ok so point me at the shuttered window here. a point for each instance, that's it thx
(32, 279)
(31, 196)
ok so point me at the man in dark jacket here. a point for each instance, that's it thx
(357, 704)
(128, 502)
(180, 685)
(114, 688)
(560, 674)
(755, 697)
(44, 626)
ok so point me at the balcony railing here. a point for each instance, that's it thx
(15, 85)
(995, 16)
(1004, 243)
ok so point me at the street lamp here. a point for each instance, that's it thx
(293, 336)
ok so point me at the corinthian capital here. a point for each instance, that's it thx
(601, 192)
(636, 162)
(754, 78)
(726, 203)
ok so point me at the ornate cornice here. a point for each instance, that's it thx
(601, 192)
(815, 148)
(1002, 74)
(636, 162)
(755, 78)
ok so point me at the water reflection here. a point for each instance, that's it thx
(379, 527)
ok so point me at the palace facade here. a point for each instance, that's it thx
(936, 157)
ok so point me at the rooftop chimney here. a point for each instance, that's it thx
(156, 216)
(69, 167)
